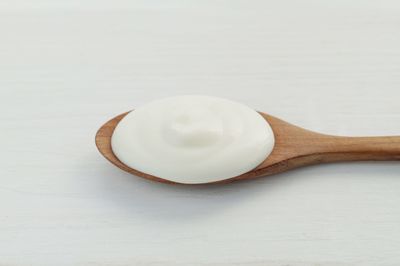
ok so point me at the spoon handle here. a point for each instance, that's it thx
(360, 149)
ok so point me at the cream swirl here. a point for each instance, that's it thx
(193, 139)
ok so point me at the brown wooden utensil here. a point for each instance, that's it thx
(294, 147)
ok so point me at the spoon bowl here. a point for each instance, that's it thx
(294, 147)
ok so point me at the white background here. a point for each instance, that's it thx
(68, 66)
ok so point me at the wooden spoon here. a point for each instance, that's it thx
(294, 147)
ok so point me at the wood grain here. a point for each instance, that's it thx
(294, 147)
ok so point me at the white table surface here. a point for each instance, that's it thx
(68, 66)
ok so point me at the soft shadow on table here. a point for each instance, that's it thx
(186, 202)
(178, 201)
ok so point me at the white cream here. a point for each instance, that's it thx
(193, 139)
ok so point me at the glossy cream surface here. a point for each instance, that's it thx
(193, 139)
